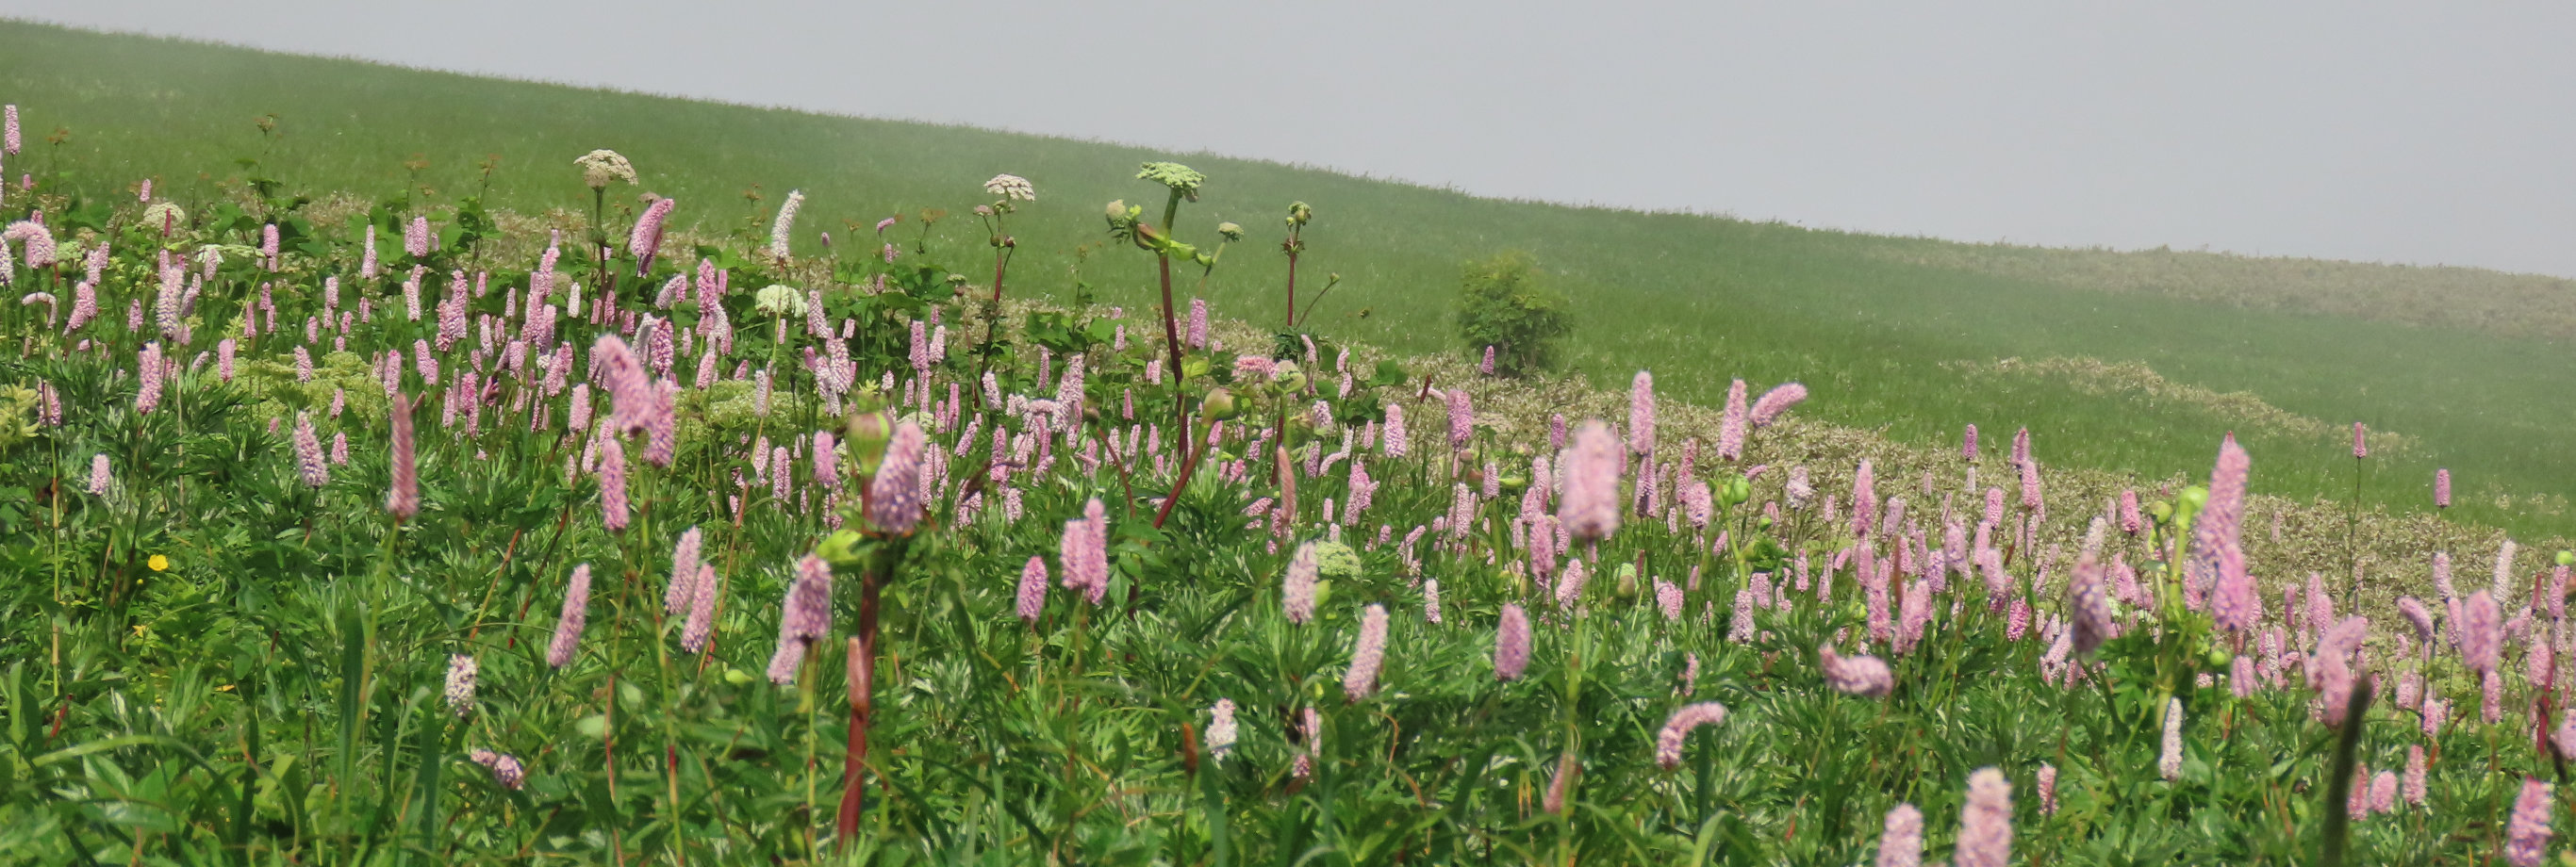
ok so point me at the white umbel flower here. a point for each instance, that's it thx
(602, 167)
(1012, 188)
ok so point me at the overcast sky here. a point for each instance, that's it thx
(2424, 133)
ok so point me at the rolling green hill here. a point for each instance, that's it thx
(2469, 369)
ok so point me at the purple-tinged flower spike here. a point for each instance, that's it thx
(1865, 676)
(576, 614)
(1462, 419)
(2417, 616)
(2047, 790)
(1668, 743)
(1487, 366)
(2360, 441)
(1968, 444)
(1512, 643)
(2089, 607)
(684, 573)
(631, 395)
(1367, 655)
(646, 239)
(460, 683)
(1900, 841)
(2481, 633)
(702, 610)
(99, 478)
(2222, 516)
(403, 500)
(1641, 414)
(1731, 426)
(2442, 489)
(1589, 506)
(148, 371)
(1985, 823)
(416, 238)
(1033, 588)
(894, 497)
(2169, 761)
(2233, 603)
(1297, 589)
(2131, 521)
(1864, 499)
(2527, 834)
(612, 484)
(2021, 446)
(786, 223)
(506, 770)
(2413, 787)
(805, 618)
(1083, 552)
(1221, 730)
(1776, 403)
(308, 453)
(827, 460)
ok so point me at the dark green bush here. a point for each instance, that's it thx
(1504, 302)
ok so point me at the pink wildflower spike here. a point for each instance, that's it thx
(1776, 403)
(1968, 444)
(2169, 760)
(2442, 488)
(2221, 518)
(1297, 589)
(404, 498)
(1033, 588)
(646, 239)
(1512, 643)
(1985, 823)
(2413, 787)
(894, 498)
(99, 479)
(1865, 676)
(702, 610)
(1900, 839)
(612, 485)
(1668, 743)
(1367, 655)
(684, 573)
(308, 453)
(1589, 505)
(2527, 833)
(2360, 441)
(1641, 414)
(568, 625)
(2481, 636)
(1731, 426)
(2047, 790)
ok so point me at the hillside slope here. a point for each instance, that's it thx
(1903, 335)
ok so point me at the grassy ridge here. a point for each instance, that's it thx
(1698, 299)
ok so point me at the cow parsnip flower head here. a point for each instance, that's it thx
(1012, 188)
(164, 213)
(779, 299)
(602, 167)
(1182, 179)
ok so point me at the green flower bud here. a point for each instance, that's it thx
(1736, 491)
(1219, 405)
(1627, 581)
(2567, 558)
(1229, 231)
(1290, 377)
(1336, 560)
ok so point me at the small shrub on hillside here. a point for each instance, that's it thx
(1504, 303)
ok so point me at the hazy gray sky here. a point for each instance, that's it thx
(2426, 133)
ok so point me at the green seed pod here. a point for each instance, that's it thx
(1736, 491)
(1627, 581)
(2567, 558)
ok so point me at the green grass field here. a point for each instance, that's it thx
(2475, 384)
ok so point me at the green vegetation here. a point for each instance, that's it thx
(1869, 320)
(1502, 303)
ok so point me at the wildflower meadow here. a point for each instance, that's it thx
(372, 532)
